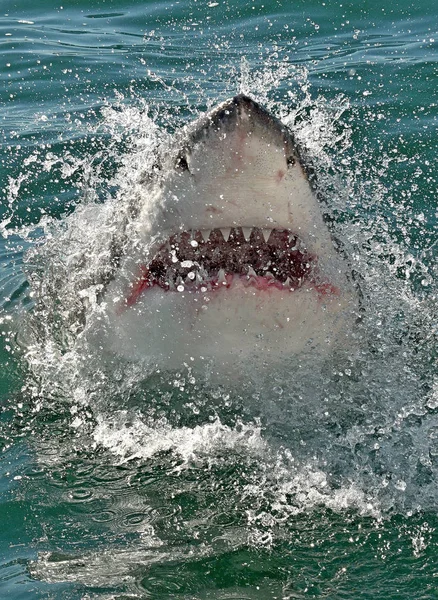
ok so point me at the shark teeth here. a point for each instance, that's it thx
(206, 234)
(247, 232)
(226, 232)
(266, 234)
(197, 235)
(221, 276)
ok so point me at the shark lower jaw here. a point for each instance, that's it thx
(202, 261)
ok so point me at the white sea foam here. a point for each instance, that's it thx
(130, 437)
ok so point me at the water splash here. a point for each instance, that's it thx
(362, 428)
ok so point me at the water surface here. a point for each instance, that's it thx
(117, 485)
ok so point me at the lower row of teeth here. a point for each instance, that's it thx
(196, 279)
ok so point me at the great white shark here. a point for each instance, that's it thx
(233, 258)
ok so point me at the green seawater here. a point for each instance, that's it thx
(114, 486)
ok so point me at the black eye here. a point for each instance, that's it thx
(181, 163)
(290, 161)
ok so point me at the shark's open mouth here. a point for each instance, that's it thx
(207, 260)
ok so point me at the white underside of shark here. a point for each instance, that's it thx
(233, 259)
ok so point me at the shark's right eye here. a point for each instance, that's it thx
(181, 163)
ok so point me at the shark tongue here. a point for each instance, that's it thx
(205, 260)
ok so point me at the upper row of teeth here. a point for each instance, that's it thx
(226, 231)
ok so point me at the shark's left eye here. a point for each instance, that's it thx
(181, 163)
(290, 161)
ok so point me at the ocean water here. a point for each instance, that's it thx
(117, 483)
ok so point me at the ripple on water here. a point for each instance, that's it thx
(104, 516)
(80, 495)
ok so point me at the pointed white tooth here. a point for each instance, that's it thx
(269, 275)
(226, 232)
(266, 233)
(221, 276)
(287, 283)
(206, 234)
(246, 232)
(203, 275)
(251, 272)
(178, 280)
(293, 240)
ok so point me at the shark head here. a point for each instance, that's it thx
(238, 166)
(233, 258)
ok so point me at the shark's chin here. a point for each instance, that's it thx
(233, 322)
